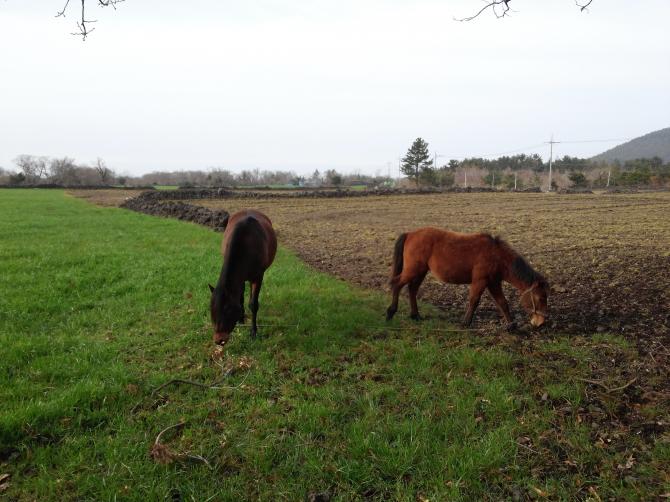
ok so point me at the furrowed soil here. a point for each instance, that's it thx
(107, 198)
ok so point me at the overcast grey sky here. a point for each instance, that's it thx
(278, 84)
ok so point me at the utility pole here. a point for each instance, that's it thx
(551, 156)
(609, 173)
(435, 157)
(466, 178)
(514, 180)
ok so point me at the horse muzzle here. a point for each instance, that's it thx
(221, 338)
(537, 320)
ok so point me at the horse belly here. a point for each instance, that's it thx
(452, 274)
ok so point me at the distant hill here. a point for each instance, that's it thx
(654, 144)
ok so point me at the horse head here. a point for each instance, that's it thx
(534, 298)
(534, 301)
(225, 313)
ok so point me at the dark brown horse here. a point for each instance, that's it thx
(476, 259)
(249, 247)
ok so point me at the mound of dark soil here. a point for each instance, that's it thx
(563, 191)
(225, 193)
(217, 219)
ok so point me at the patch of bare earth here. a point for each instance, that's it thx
(106, 197)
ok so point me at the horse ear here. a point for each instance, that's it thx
(211, 288)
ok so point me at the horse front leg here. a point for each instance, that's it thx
(242, 316)
(501, 302)
(476, 290)
(253, 305)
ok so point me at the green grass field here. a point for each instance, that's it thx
(100, 306)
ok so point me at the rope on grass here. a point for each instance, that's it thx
(164, 455)
(607, 389)
(410, 328)
(213, 386)
(381, 327)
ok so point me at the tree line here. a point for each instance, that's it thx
(39, 170)
(505, 172)
(32, 170)
(523, 170)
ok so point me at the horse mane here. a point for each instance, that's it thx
(495, 239)
(520, 268)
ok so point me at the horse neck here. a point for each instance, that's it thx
(518, 284)
(231, 280)
(508, 275)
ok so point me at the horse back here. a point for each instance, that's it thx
(453, 257)
(251, 231)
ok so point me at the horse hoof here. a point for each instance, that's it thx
(253, 334)
(511, 327)
(415, 317)
(389, 315)
(525, 329)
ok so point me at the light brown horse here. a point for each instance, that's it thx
(480, 260)
(249, 247)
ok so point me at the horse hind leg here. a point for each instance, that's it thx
(397, 283)
(413, 288)
(395, 292)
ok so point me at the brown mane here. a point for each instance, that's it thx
(518, 266)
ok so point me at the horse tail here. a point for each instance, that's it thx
(396, 268)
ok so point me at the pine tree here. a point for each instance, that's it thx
(416, 161)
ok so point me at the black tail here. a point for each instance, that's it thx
(396, 269)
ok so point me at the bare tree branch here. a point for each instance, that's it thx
(105, 173)
(583, 7)
(62, 11)
(84, 29)
(490, 5)
(496, 5)
(500, 8)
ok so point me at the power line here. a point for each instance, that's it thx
(518, 150)
(537, 146)
(514, 151)
(599, 140)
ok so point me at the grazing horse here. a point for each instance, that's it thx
(476, 259)
(249, 247)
